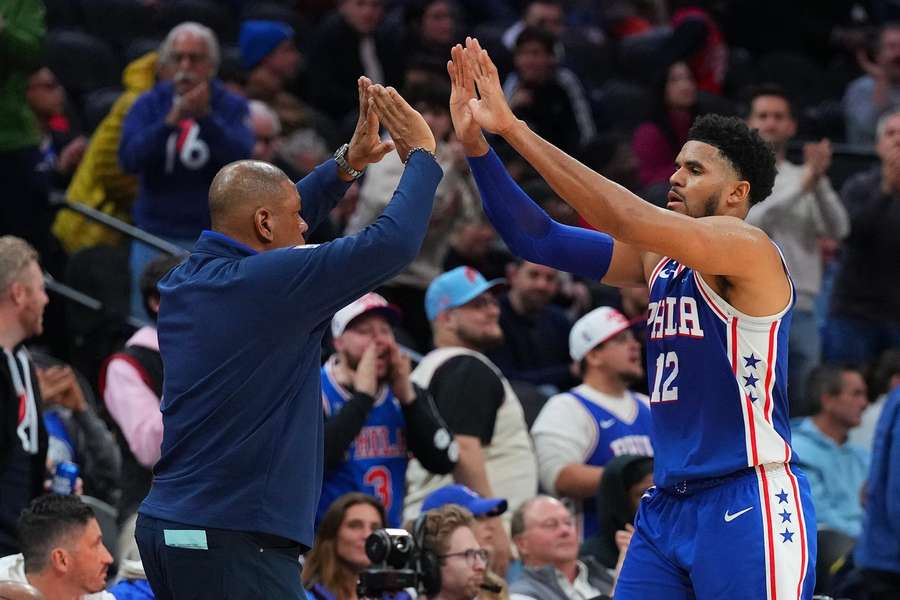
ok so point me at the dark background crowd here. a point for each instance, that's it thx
(84, 122)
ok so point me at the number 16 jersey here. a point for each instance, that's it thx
(718, 380)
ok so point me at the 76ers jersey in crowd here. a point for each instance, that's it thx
(718, 380)
(375, 463)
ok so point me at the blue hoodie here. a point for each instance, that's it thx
(240, 335)
(177, 164)
(879, 546)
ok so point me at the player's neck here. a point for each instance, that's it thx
(605, 383)
(831, 428)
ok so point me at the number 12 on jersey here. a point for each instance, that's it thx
(665, 390)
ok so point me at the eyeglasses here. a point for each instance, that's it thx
(483, 301)
(471, 554)
(194, 57)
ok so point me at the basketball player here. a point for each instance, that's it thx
(730, 517)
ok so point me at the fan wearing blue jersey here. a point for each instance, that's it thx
(579, 431)
(374, 414)
(731, 516)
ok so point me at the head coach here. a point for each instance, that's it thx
(241, 321)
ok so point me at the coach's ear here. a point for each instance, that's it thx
(262, 222)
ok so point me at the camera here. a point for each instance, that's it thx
(395, 560)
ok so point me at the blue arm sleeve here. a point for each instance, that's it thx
(319, 192)
(529, 232)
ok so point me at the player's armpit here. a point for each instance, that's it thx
(627, 268)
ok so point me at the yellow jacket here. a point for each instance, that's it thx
(99, 181)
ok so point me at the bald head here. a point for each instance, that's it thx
(13, 590)
(254, 202)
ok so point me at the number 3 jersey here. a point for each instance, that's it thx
(375, 463)
(718, 380)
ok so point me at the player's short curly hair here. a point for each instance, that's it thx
(751, 157)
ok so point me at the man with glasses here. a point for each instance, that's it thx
(176, 137)
(475, 399)
(449, 535)
(543, 530)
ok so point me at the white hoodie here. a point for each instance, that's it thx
(12, 568)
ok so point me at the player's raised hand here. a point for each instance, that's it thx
(366, 146)
(492, 111)
(462, 90)
(407, 127)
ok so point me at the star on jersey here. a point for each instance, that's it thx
(752, 397)
(785, 516)
(782, 497)
(788, 536)
(751, 381)
(750, 361)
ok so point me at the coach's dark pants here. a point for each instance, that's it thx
(185, 562)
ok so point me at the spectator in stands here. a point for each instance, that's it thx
(869, 97)
(836, 468)
(473, 243)
(549, 97)
(483, 510)
(63, 554)
(266, 129)
(454, 201)
(131, 385)
(864, 320)
(23, 437)
(473, 396)
(76, 433)
(99, 181)
(21, 38)
(656, 142)
(374, 416)
(432, 28)
(579, 431)
(62, 148)
(348, 43)
(625, 479)
(883, 377)
(339, 554)
(535, 331)
(802, 209)
(270, 58)
(878, 550)
(545, 534)
(448, 534)
(176, 137)
(541, 14)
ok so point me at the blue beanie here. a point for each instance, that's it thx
(259, 38)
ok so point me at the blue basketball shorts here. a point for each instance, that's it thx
(750, 535)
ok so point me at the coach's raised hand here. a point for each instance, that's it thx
(366, 146)
(462, 90)
(407, 127)
(492, 111)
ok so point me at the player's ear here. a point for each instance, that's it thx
(740, 193)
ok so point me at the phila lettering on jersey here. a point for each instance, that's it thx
(718, 380)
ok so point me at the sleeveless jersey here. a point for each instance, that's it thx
(375, 463)
(614, 438)
(718, 380)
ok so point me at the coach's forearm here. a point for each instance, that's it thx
(603, 203)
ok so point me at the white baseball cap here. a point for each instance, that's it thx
(594, 328)
(371, 302)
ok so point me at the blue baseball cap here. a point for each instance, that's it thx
(455, 288)
(463, 496)
(258, 38)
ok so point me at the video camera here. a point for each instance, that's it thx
(395, 563)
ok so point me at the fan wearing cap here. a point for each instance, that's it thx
(483, 509)
(474, 397)
(579, 431)
(374, 414)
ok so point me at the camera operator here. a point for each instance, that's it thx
(339, 554)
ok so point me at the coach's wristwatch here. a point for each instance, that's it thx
(340, 157)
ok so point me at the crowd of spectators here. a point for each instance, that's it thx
(472, 377)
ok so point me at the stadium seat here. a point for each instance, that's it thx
(82, 62)
(118, 21)
(531, 398)
(97, 105)
(832, 546)
(141, 46)
(62, 14)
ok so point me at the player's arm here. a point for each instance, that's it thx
(713, 245)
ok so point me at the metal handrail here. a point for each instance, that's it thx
(131, 231)
(70, 293)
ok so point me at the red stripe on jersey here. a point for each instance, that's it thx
(773, 588)
(769, 371)
(662, 262)
(802, 526)
(709, 301)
